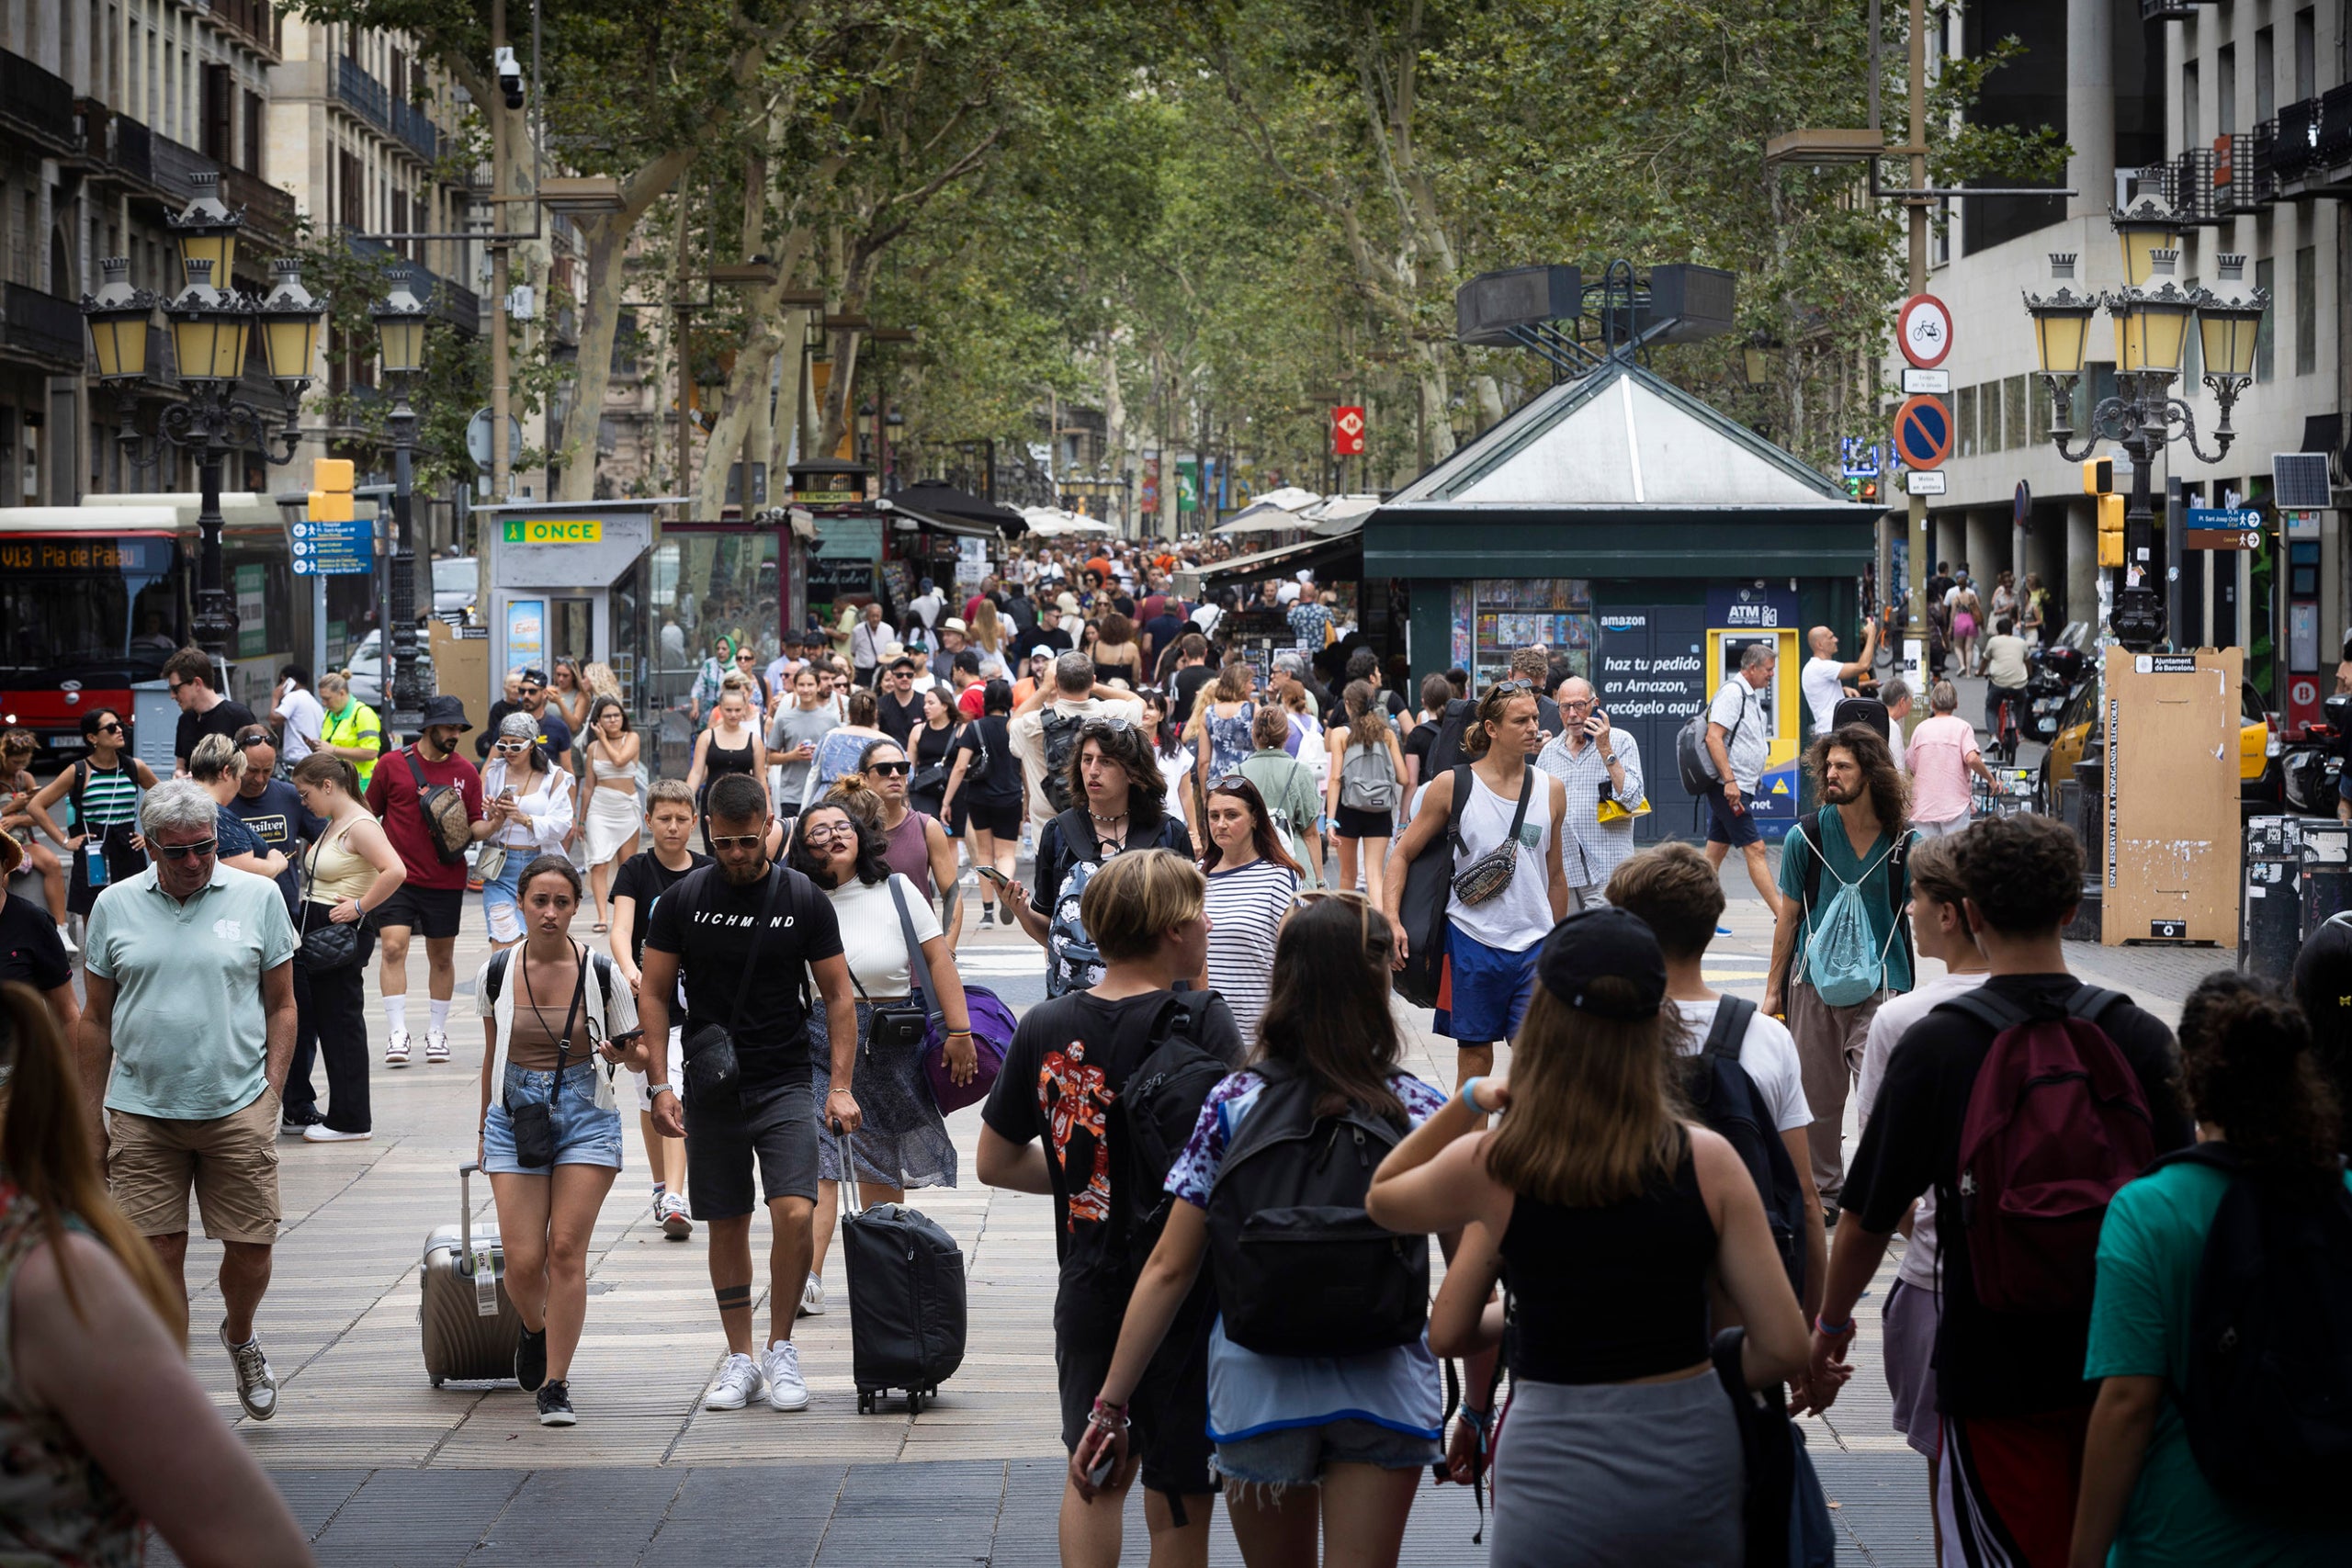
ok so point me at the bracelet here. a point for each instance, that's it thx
(1107, 1417)
(953, 1033)
(1470, 1095)
(1822, 1325)
(1477, 1418)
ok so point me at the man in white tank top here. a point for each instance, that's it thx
(1490, 970)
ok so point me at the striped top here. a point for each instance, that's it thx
(109, 798)
(1246, 906)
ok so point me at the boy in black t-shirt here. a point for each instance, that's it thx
(742, 928)
(636, 887)
(1071, 1058)
(2010, 1393)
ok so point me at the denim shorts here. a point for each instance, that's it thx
(583, 1134)
(1297, 1456)
(502, 900)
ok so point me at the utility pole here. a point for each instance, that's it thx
(1916, 579)
(502, 160)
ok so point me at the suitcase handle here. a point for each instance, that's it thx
(465, 1214)
(850, 1206)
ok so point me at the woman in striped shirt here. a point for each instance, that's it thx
(1253, 880)
(104, 790)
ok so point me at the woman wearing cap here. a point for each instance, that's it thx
(530, 809)
(1615, 1222)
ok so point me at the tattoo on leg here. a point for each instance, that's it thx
(734, 1298)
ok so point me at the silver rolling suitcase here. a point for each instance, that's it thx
(471, 1330)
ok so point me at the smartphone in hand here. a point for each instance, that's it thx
(997, 878)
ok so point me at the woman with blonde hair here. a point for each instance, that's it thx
(347, 873)
(531, 809)
(106, 1428)
(1620, 1227)
(610, 825)
(988, 638)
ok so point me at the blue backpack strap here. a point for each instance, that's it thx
(1729, 1031)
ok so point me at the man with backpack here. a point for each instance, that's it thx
(1726, 760)
(1842, 942)
(2024, 1105)
(432, 898)
(1096, 1099)
(1045, 737)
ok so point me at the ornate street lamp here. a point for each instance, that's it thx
(211, 326)
(399, 321)
(2227, 323)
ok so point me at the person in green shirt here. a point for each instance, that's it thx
(2251, 1081)
(351, 730)
(1288, 786)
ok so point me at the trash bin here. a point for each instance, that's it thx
(2326, 872)
(2271, 920)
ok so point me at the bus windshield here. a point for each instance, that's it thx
(72, 605)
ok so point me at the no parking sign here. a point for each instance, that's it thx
(1922, 431)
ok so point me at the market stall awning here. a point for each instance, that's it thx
(1052, 521)
(1285, 558)
(937, 502)
(949, 525)
(1267, 515)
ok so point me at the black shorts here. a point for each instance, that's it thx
(435, 912)
(1168, 1413)
(1353, 823)
(772, 1123)
(990, 816)
(1724, 827)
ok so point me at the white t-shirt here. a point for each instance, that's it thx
(871, 939)
(1824, 688)
(1894, 1020)
(304, 720)
(1769, 1055)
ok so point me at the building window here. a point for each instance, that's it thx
(2038, 407)
(1964, 421)
(2189, 134)
(2225, 87)
(1988, 416)
(256, 139)
(218, 125)
(2306, 310)
(2013, 405)
(2306, 55)
(2265, 336)
(2266, 75)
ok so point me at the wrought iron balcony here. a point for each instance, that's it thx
(2312, 151)
(37, 104)
(363, 93)
(45, 328)
(414, 127)
(2188, 186)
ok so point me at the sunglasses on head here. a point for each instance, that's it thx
(200, 849)
(1511, 688)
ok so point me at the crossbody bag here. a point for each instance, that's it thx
(1487, 876)
(334, 944)
(533, 1121)
(713, 1069)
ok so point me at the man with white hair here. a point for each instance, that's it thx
(183, 1050)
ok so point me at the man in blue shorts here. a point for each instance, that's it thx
(1739, 744)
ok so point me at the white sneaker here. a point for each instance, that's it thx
(257, 1385)
(67, 938)
(436, 1047)
(812, 1297)
(676, 1222)
(738, 1384)
(320, 1132)
(396, 1050)
(781, 1366)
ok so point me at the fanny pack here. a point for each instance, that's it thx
(534, 1121)
(713, 1069)
(1491, 873)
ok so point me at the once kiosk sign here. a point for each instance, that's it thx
(552, 531)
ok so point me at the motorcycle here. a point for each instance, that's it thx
(2309, 769)
(2054, 672)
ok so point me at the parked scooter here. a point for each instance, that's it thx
(2309, 767)
(2054, 672)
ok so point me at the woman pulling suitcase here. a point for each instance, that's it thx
(550, 1134)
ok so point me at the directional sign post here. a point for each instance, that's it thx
(1922, 432)
(334, 549)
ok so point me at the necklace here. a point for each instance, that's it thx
(532, 1001)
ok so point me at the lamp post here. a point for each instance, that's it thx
(399, 332)
(211, 326)
(2152, 314)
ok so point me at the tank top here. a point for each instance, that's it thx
(56, 1504)
(1521, 915)
(1229, 741)
(721, 759)
(108, 797)
(1611, 1293)
(906, 853)
(333, 871)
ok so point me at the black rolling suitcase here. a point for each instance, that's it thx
(906, 1298)
(471, 1330)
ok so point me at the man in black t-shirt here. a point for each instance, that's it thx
(900, 709)
(1192, 673)
(744, 927)
(32, 952)
(2010, 1393)
(638, 887)
(203, 711)
(1044, 1130)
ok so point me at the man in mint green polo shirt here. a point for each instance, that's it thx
(191, 1009)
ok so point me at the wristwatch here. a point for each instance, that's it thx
(654, 1091)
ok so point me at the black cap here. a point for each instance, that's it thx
(535, 675)
(1603, 943)
(443, 708)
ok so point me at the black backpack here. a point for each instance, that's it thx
(1061, 731)
(1420, 909)
(1300, 1268)
(1731, 1105)
(2268, 1400)
(1446, 751)
(1156, 1110)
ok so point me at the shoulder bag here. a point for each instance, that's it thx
(713, 1067)
(534, 1121)
(991, 1021)
(444, 809)
(333, 944)
(1487, 876)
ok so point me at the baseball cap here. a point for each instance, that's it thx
(1603, 943)
(1041, 651)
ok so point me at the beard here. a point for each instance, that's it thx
(1841, 794)
(744, 875)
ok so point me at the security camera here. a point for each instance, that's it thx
(510, 78)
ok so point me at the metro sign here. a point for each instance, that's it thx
(1347, 432)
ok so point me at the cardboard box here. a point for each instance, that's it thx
(2170, 815)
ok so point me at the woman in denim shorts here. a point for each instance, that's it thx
(530, 808)
(1307, 1447)
(554, 1023)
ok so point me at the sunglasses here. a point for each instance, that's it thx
(1511, 689)
(1101, 727)
(110, 730)
(721, 842)
(888, 767)
(1227, 784)
(200, 849)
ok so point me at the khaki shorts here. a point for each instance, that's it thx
(231, 1161)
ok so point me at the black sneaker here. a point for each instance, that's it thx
(293, 1119)
(555, 1404)
(531, 1361)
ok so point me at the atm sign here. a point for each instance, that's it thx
(553, 531)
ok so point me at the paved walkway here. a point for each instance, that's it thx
(384, 1468)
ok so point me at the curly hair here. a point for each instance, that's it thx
(2248, 1069)
(1127, 744)
(1890, 795)
(871, 868)
(2023, 873)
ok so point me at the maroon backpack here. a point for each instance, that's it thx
(2056, 1122)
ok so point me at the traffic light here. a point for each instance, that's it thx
(2110, 526)
(2098, 479)
(1869, 490)
(331, 500)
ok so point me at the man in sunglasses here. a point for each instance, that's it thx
(191, 1012)
(555, 735)
(901, 705)
(203, 711)
(743, 931)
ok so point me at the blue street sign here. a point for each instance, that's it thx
(2219, 518)
(1859, 460)
(334, 549)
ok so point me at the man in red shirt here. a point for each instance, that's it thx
(431, 899)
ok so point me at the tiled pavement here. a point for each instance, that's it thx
(382, 1468)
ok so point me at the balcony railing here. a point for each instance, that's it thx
(2312, 151)
(173, 164)
(37, 104)
(254, 18)
(43, 325)
(2188, 185)
(414, 127)
(449, 301)
(269, 211)
(363, 93)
